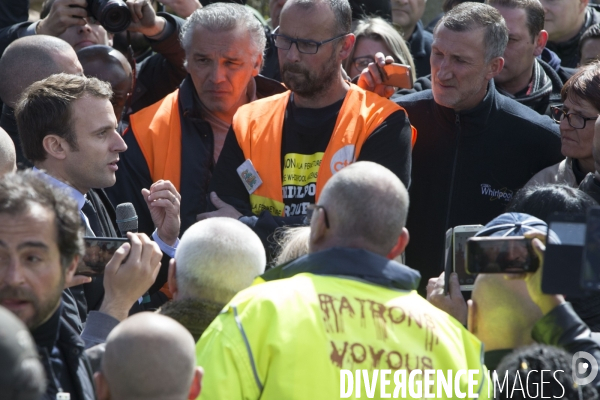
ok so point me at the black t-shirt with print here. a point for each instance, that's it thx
(306, 134)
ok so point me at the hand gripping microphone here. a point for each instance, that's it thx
(127, 219)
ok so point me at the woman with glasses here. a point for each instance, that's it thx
(375, 35)
(577, 116)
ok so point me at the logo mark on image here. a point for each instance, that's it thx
(580, 368)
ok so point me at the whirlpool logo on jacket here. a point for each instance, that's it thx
(503, 194)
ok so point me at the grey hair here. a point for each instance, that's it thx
(341, 10)
(292, 242)
(223, 17)
(217, 258)
(470, 16)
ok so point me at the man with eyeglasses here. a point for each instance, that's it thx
(281, 150)
(591, 183)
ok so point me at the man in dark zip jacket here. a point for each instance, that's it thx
(524, 77)
(475, 147)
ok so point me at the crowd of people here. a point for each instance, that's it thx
(270, 165)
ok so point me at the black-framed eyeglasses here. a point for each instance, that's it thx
(303, 45)
(310, 211)
(576, 121)
(362, 62)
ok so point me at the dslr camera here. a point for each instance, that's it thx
(113, 15)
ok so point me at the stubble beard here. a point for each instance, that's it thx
(310, 84)
(41, 312)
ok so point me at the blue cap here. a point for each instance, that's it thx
(514, 224)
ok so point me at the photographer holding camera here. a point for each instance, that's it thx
(83, 23)
(554, 322)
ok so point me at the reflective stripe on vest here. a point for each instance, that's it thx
(258, 127)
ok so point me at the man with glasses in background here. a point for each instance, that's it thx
(281, 150)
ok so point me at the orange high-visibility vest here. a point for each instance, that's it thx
(258, 127)
(157, 129)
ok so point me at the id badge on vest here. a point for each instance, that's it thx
(249, 176)
(63, 396)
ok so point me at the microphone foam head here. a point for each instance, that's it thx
(127, 218)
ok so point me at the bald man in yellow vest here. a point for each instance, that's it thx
(281, 150)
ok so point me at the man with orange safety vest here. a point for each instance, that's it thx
(281, 150)
(179, 138)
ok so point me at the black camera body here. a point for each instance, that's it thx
(113, 15)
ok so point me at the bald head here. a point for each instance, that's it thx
(8, 156)
(503, 314)
(148, 356)
(366, 206)
(31, 59)
(216, 258)
(109, 65)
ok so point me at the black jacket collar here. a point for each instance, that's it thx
(568, 51)
(190, 102)
(57, 332)
(474, 121)
(416, 41)
(546, 91)
(46, 334)
(355, 263)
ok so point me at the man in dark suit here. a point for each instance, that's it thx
(25, 61)
(68, 129)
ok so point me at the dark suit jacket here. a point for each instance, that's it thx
(90, 295)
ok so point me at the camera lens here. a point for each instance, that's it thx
(113, 15)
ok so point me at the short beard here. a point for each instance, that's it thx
(41, 312)
(311, 84)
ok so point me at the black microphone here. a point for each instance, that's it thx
(127, 219)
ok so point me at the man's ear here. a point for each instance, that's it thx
(540, 42)
(172, 278)
(258, 65)
(70, 271)
(196, 387)
(400, 245)
(583, 4)
(347, 46)
(472, 316)
(101, 386)
(55, 146)
(494, 67)
(318, 230)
